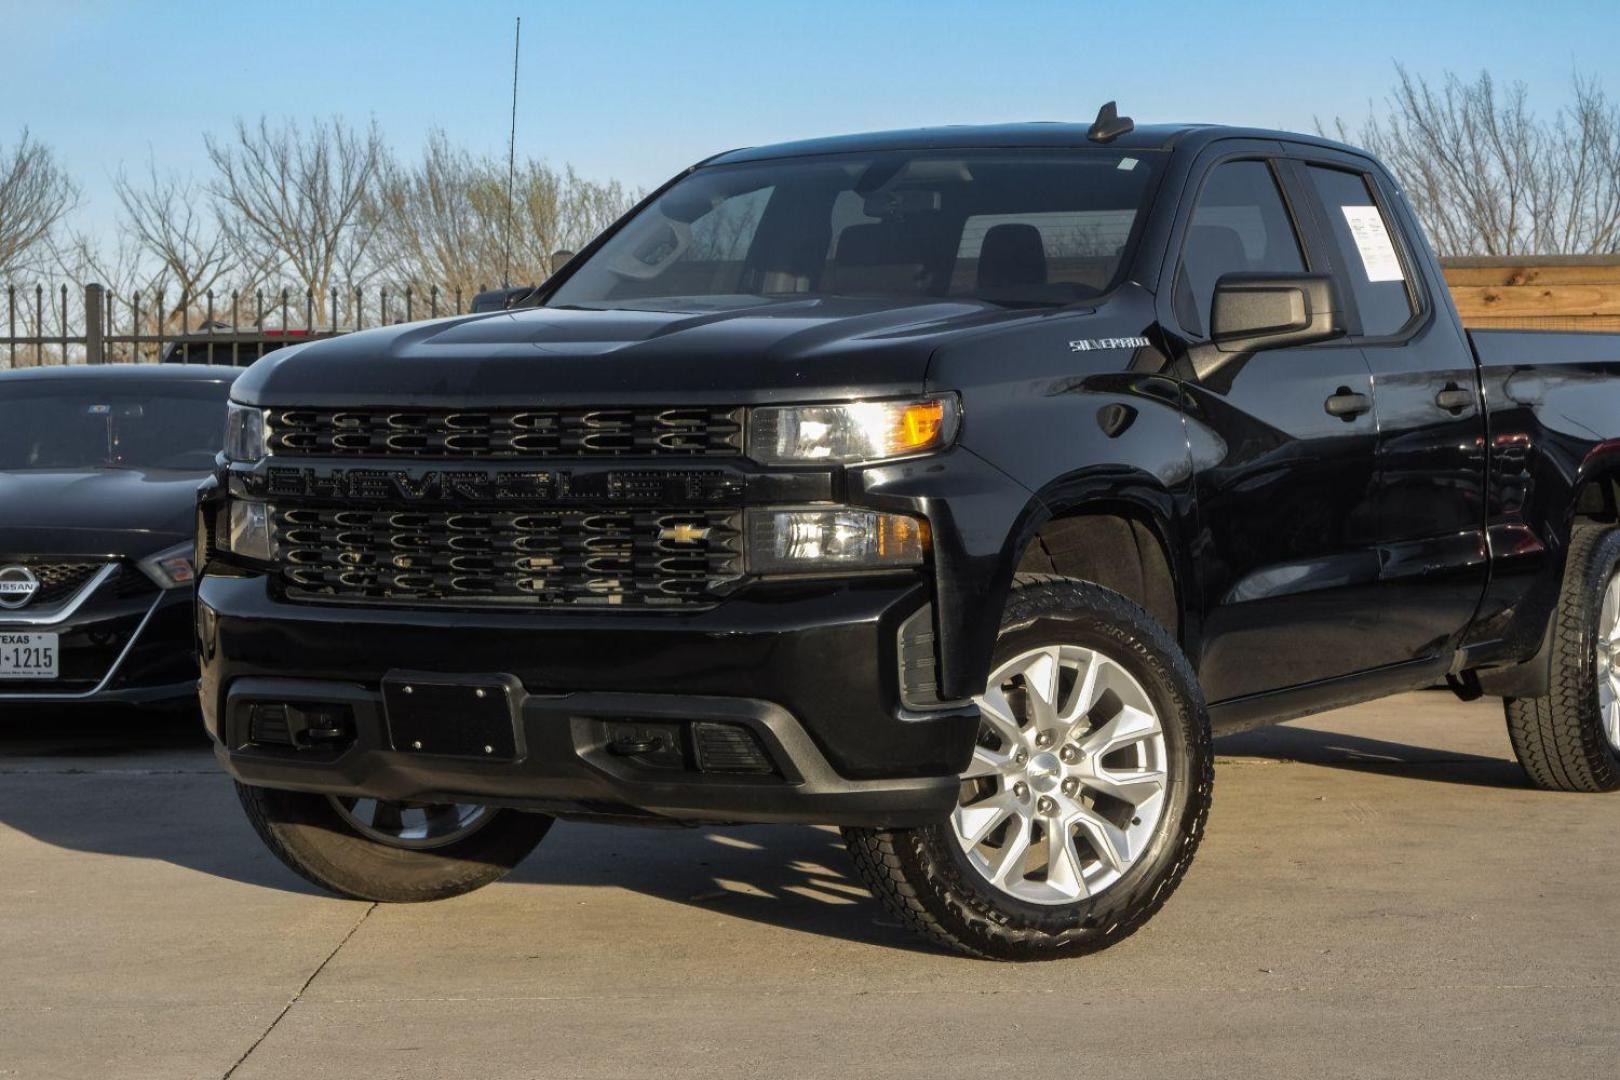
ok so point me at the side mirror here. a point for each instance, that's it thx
(501, 299)
(1269, 311)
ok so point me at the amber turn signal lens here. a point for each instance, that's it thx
(920, 426)
(860, 431)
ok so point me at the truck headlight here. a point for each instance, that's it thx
(852, 432)
(250, 534)
(832, 541)
(244, 433)
(171, 567)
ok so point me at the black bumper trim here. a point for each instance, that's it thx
(564, 767)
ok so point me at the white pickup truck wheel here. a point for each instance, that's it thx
(1569, 738)
(1086, 796)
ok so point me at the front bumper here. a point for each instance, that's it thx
(812, 674)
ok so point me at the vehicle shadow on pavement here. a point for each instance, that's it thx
(1359, 753)
(129, 783)
(785, 876)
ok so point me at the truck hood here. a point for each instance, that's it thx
(127, 512)
(818, 349)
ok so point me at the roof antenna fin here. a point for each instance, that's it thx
(1109, 125)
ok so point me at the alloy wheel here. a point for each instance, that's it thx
(1068, 779)
(418, 826)
(1608, 661)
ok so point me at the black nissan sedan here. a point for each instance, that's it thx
(99, 468)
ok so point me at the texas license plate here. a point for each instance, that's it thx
(28, 656)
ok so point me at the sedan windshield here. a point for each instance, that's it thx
(56, 424)
(1024, 227)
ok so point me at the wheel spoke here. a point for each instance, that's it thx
(1127, 726)
(1041, 682)
(978, 820)
(986, 763)
(386, 817)
(1063, 862)
(1135, 786)
(1113, 847)
(1007, 866)
(999, 715)
(1085, 695)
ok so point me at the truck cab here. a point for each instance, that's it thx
(949, 486)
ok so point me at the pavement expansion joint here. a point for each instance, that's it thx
(285, 1009)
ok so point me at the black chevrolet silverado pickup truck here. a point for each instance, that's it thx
(949, 486)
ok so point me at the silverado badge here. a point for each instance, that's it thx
(1093, 344)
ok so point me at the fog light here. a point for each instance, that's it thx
(833, 541)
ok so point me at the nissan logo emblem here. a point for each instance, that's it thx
(17, 586)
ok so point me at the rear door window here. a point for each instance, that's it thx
(1368, 252)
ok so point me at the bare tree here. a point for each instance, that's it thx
(559, 212)
(1488, 177)
(436, 220)
(34, 195)
(171, 222)
(443, 220)
(141, 295)
(300, 194)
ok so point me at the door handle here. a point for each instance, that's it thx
(1346, 404)
(1454, 399)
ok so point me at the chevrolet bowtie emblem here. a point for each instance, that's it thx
(684, 533)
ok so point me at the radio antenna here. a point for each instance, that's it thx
(511, 162)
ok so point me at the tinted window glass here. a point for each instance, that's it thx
(1240, 225)
(1007, 227)
(1367, 251)
(51, 424)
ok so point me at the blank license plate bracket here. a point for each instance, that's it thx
(456, 716)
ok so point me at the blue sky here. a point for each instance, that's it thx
(637, 91)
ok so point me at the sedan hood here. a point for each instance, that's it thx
(797, 350)
(127, 512)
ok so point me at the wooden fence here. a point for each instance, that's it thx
(1550, 292)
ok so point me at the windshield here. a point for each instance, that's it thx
(1024, 227)
(52, 424)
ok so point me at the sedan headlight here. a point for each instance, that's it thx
(832, 541)
(853, 432)
(170, 568)
(244, 433)
(251, 535)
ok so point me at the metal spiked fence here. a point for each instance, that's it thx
(91, 324)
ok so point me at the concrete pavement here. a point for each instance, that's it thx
(1379, 894)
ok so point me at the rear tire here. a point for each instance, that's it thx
(326, 843)
(1569, 738)
(1062, 844)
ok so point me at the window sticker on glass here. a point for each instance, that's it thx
(1378, 256)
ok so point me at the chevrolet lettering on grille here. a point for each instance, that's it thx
(500, 486)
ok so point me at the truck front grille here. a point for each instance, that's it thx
(506, 433)
(529, 558)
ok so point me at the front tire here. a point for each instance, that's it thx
(1087, 795)
(1569, 738)
(392, 853)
